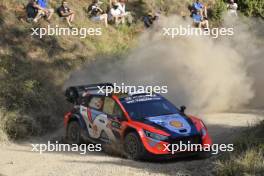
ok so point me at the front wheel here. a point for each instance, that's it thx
(133, 146)
(73, 134)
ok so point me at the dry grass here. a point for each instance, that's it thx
(33, 70)
(248, 157)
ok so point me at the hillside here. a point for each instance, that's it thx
(33, 70)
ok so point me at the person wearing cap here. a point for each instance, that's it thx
(96, 13)
(232, 8)
(65, 12)
(43, 10)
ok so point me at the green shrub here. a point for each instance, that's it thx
(217, 11)
(252, 7)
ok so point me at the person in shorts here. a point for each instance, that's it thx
(65, 12)
(43, 10)
(96, 13)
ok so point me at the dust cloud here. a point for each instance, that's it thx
(205, 74)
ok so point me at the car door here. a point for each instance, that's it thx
(93, 115)
(115, 117)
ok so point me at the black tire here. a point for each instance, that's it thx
(73, 134)
(133, 147)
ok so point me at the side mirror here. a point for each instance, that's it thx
(182, 109)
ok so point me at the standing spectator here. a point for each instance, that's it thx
(199, 20)
(232, 8)
(65, 12)
(43, 10)
(96, 13)
(198, 6)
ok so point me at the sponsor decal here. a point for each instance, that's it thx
(176, 124)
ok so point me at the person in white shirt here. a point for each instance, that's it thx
(127, 14)
(118, 12)
(232, 8)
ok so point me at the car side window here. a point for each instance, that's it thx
(112, 108)
(96, 102)
(118, 112)
(109, 104)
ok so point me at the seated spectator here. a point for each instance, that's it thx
(199, 20)
(96, 13)
(43, 10)
(65, 12)
(116, 13)
(149, 19)
(31, 10)
(126, 14)
(232, 8)
(198, 6)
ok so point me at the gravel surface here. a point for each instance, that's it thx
(18, 159)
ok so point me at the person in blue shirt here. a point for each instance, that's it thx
(43, 10)
(199, 20)
(198, 6)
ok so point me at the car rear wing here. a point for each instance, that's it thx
(74, 93)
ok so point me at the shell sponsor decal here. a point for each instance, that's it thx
(176, 124)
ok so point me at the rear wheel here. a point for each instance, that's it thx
(73, 134)
(133, 146)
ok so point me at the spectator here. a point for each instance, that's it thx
(116, 13)
(149, 19)
(125, 13)
(31, 10)
(65, 12)
(198, 6)
(96, 13)
(199, 20)
(43, 10)
(232, 8)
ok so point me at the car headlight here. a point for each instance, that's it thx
(155, 136)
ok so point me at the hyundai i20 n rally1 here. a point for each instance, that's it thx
(141, 124)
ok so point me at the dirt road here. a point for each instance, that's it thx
(18, 159)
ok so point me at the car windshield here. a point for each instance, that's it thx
(143, 109)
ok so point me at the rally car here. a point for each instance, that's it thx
(141, 124)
